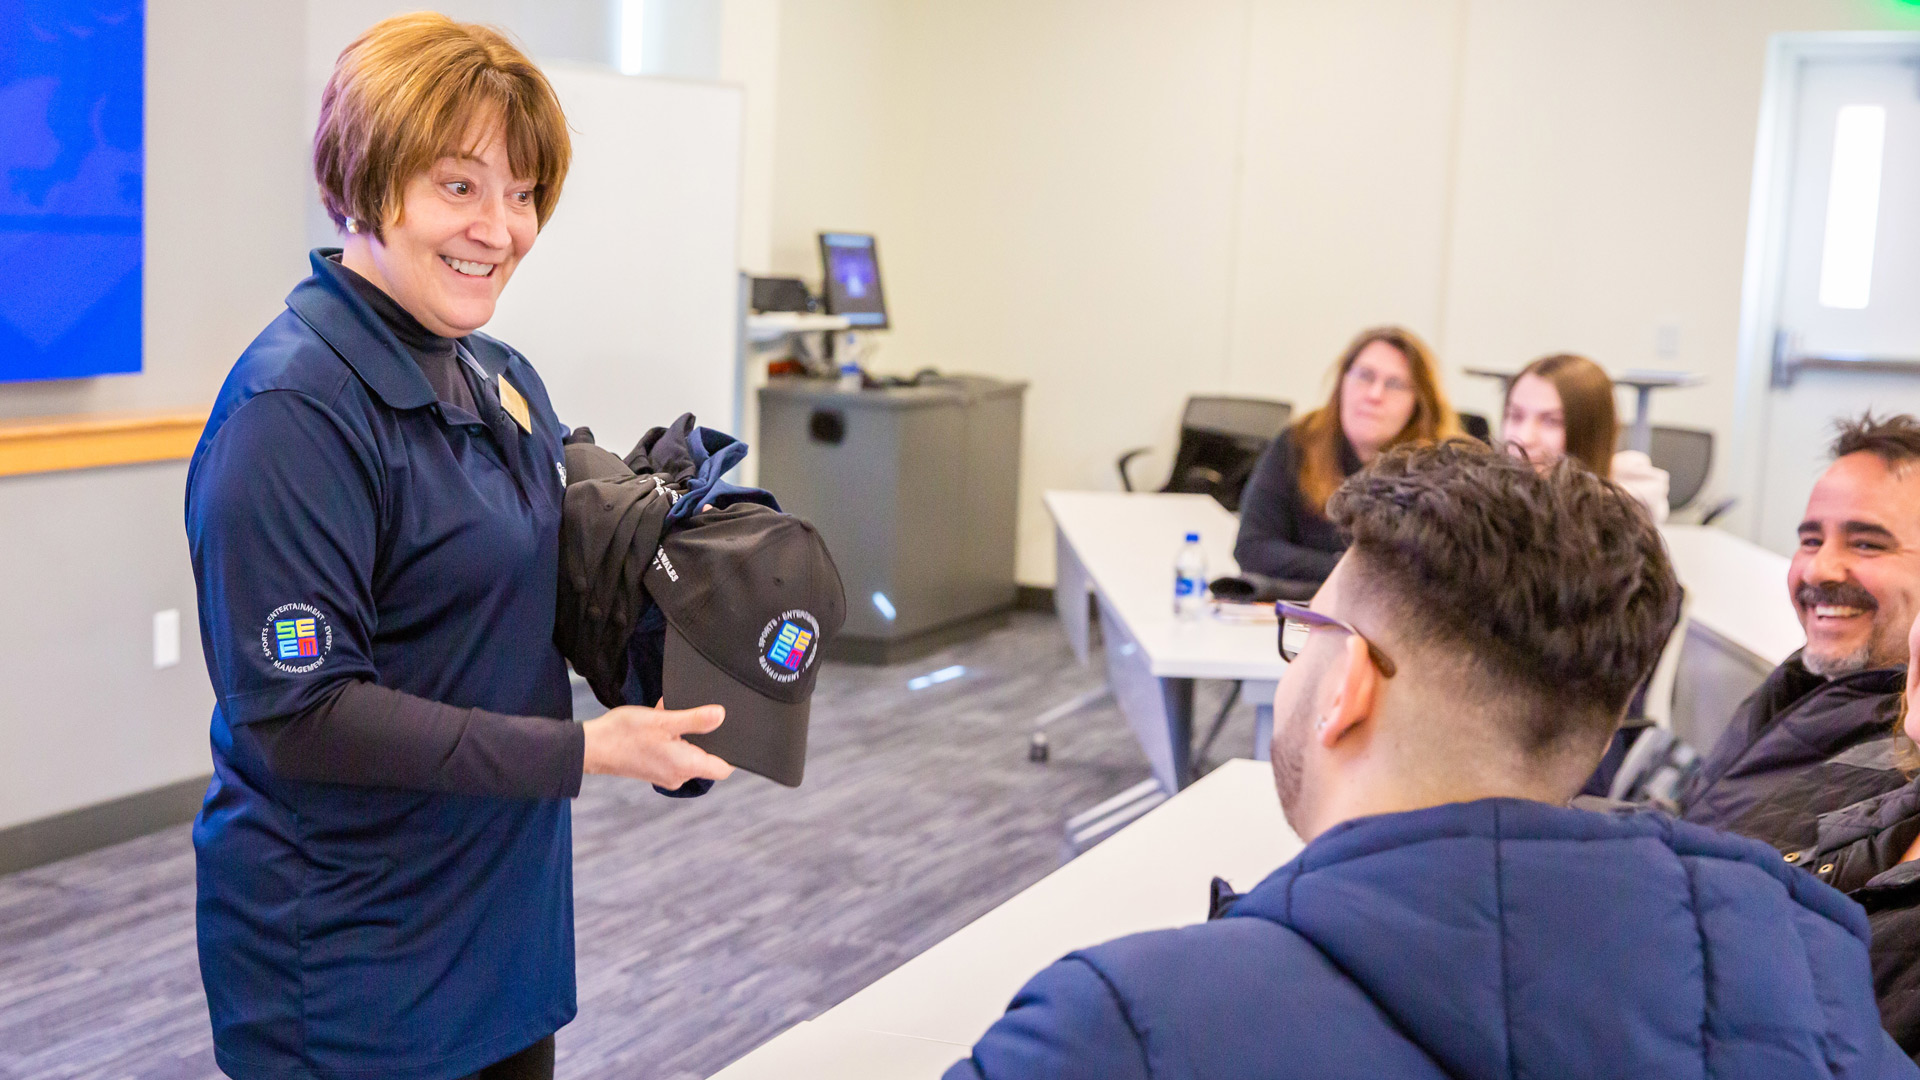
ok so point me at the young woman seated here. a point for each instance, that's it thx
(1386, 392)
(1562, 406)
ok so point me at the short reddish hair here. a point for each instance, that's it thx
(407, 92)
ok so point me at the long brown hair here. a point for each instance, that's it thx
(1318, 434)
(1586, 407)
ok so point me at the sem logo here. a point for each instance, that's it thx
(786, 645)
(296, 638)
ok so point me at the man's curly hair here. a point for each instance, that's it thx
(1553, 585)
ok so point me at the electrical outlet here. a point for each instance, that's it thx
(166, 638)
(1666, 341)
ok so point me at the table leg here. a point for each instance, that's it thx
(1160, 711)
(1640, 436)
(1261, 694)
(1070, 594)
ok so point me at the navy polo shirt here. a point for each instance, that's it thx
(345, 525)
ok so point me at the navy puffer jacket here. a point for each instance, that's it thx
(1497, 938)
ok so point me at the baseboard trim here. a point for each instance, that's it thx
(90, 828)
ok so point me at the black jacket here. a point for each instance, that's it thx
(1281, 534)
(613, 516)
(1857, 850)
(1796, 721)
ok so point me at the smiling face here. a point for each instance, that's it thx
(1855, 577)
(1377, 398)
(1535, 425)
(464, 225)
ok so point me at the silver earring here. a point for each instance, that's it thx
(353, 226)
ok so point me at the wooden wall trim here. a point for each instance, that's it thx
(52, 444)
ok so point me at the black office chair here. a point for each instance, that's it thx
(1476, 425)
(1221, 439)
(1687, 456)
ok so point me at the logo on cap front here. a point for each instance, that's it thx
(787, 645)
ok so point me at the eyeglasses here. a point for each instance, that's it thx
(1297, 621)
(1367, 379)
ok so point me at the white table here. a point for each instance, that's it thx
(1740, 626)
(1122, 547)
(1151, 875)
(812, 1049)
(1736, 590)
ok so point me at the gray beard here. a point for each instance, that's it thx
(1860, 659)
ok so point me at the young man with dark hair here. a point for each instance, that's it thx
(1451, 687)
(1855, 582)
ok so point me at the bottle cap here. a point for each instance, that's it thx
(1193, 538)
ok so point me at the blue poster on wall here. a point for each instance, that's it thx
(72, 159)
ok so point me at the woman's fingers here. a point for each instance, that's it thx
(696, 763)
(647, 744)
(693, 721)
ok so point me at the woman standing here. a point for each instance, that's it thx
(384, 855)
(1562, 406)
(1385, 393)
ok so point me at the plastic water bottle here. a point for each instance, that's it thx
(1190, 579)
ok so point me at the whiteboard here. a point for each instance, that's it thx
(628, 303)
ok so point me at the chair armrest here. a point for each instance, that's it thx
(1126, 482)
(1718, 509)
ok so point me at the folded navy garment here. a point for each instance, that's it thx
(616, 513)
(694, 460)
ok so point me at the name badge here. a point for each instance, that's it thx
(515, 405)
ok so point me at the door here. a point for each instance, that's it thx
(1846, 333)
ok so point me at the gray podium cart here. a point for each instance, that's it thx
(915, 491)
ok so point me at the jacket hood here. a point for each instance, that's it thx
(1509, 938)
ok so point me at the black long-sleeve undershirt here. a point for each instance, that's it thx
(1281, 534)
(376, 736)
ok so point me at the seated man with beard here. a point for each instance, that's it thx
(1871, 850)
(1815, 736)
(1451, 687)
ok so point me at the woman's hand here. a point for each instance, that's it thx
(646, 744)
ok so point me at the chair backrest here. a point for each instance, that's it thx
(1221, 438)
(1476, 425)
(1687, 456)
(1255, 418)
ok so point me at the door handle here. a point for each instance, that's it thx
(1789, 361)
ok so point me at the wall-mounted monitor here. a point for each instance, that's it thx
(72, 165)
(850, 266)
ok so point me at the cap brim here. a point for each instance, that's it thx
(760, 735)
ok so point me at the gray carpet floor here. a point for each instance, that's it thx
(703, 927)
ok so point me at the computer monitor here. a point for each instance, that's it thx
(851, 266)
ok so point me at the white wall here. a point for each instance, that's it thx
(628, 303)
(91, 555)
(1129, 201)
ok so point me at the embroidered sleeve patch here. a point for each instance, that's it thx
(296, 638)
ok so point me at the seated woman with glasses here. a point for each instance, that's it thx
(1386, 392)
(1562, 406)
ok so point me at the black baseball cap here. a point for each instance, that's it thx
(750, 596)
